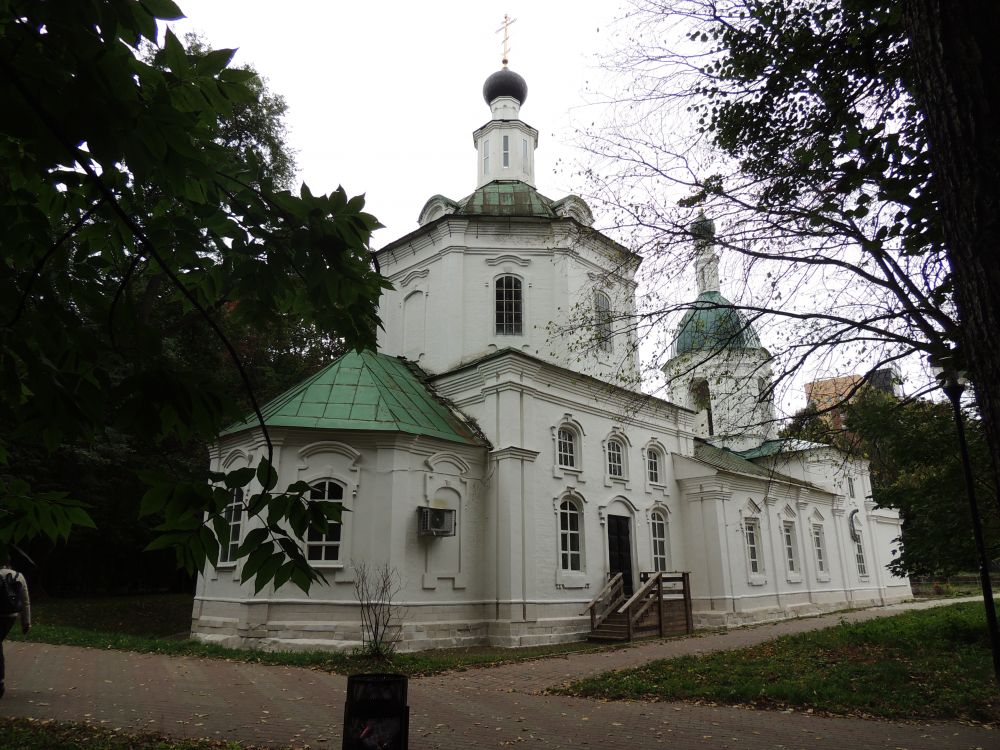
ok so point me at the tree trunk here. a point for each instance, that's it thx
(957, 63)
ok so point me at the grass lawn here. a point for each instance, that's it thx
(159, 624)
(32, 734)
(929, 664)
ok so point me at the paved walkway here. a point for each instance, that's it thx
(495, 707)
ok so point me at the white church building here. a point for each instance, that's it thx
(506, 472)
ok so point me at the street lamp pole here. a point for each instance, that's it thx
(953, 388)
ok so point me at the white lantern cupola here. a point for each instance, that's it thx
(505, 146)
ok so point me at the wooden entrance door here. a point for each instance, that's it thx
(620, 551)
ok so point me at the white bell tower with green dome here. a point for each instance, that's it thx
(719, 367)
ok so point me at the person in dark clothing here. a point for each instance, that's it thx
(13, 582)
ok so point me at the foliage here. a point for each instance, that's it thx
(791, 125)
(929, 664)
(376, 587)
(916, 468)
(912, 447)
(124, 203)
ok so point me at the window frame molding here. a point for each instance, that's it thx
(661, 510)
(821, 554)
(752, 515)
(559, 471)
(661, 485)
(617, 435)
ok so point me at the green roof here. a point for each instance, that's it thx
(713, 324)
(365, 391)
(507, 198)
(729, 461)
(781, 445)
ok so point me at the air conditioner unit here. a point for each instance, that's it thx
(435, 522)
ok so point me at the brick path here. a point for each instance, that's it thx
(495, 707)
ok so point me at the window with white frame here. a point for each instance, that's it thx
(819, 547)
(859, 556)
(509, 308)
(566, 448)
(570, 548)
(320, 547)
(506, 151)
(788, 537)
(850, 486)
(751, 530)
(233, 515)
(661, 556)
(486, 156)
(616, 458)
(602, 321)
(653, 464)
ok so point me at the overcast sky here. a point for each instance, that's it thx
(383, 97)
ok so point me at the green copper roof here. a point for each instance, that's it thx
(781, 445)
(726, 460)
(507, 198)
(365, 391)
(713, 324)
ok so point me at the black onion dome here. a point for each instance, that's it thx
(505, 82)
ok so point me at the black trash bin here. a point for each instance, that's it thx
(376, 716)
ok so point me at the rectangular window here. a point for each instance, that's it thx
(754, 561)
(819, 546)
(486, 156)
(322, 547)
(616, 463)
(506, 151)
(659, 542)
(653, 465)
(233, 515)
(850, 486)
(859, 557)
(570, 555)
(788, 535)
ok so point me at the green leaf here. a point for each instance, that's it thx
(266, 475)
(166, 10)
(240, 477)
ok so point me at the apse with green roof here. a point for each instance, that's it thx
(369, 392)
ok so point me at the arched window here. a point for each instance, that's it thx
(859, 556)
(325, 547)
(602, 321)
(570, 547)
(509, 306)
(616, 459)
(566, 453)
(654, 464)
(661, 553)
(233, 515)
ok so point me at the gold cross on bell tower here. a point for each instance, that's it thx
(507, 21)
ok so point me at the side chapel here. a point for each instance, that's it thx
(506, 474)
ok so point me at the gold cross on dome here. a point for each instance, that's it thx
(507, 21)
